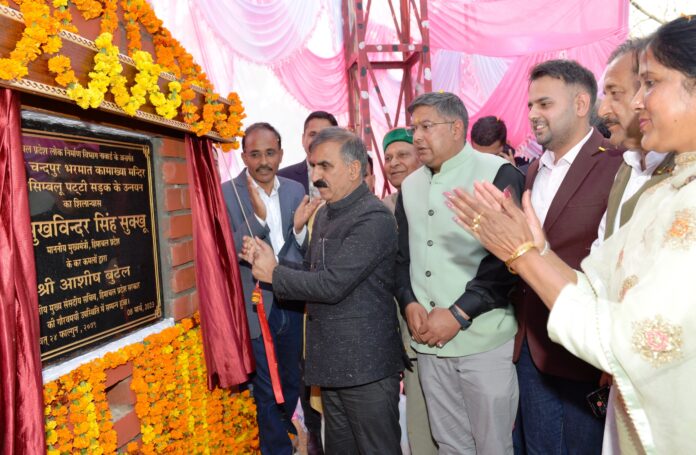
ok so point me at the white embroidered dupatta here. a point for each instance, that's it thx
(633, 314)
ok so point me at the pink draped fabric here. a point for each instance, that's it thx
(262, 32)
(21, 388)
(325, 76)
(481, 50)
(512, 27)
(226, 342)
(509, 100)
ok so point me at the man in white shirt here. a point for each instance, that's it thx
(570, 185)
(275, 210)
(640, 170)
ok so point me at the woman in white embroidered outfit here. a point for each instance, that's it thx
(631, 311)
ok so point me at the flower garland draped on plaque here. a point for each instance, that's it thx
(177, 412)
(48, 24)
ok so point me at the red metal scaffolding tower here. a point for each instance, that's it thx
(364, 59)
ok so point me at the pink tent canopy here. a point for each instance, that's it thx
(482, 50)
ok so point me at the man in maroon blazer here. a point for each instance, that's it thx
(570, 185)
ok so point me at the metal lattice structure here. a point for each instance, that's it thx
(364, 59)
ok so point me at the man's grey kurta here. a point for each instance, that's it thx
(347, 280)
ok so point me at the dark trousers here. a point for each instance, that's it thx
(363, 420)
(554, 416)
(275, 420)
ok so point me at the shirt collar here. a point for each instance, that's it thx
(276, 184)
(548, 158)
(652, 161)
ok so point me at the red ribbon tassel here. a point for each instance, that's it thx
(257, 299)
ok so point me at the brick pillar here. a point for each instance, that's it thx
(181, 298)
(177, 270)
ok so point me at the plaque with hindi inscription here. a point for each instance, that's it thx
(95, 244)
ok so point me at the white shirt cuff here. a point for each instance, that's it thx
(261, 222)
(300, 237)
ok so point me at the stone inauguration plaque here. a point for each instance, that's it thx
(93, 224)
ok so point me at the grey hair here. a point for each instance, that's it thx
(634, 46)
(446, 104)
(352, 147)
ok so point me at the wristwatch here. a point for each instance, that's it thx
(465, 323)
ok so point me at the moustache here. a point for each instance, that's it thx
(264, 168)
(609, 121)
(321, 184)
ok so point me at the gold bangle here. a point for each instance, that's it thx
(519, 252)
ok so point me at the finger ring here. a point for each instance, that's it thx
(475, 227)
(477, 220)
(439, 345)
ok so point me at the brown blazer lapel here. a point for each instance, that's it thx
(582, 165)
(615, 195)
(663, 171)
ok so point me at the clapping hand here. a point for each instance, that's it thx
(493, 198)
(493, 218)
(256, 202)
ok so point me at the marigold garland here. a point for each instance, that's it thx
(41, 35)
(131, 14)
(109, 20)
(90, 9)
(177, 412)
(62, 15)
(107, 74)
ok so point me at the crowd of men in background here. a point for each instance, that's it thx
(469, 340)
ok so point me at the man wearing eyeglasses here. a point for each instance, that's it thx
(454, 294)
(271, 208)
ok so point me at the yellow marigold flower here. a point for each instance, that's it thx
(53, 44)
(157, 98)
(51, 437)
(66, 78)
(148, 434)
(58, 64)
(174, 86)
(104, 40)
(11, 69)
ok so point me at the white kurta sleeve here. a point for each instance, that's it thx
(573, 323)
